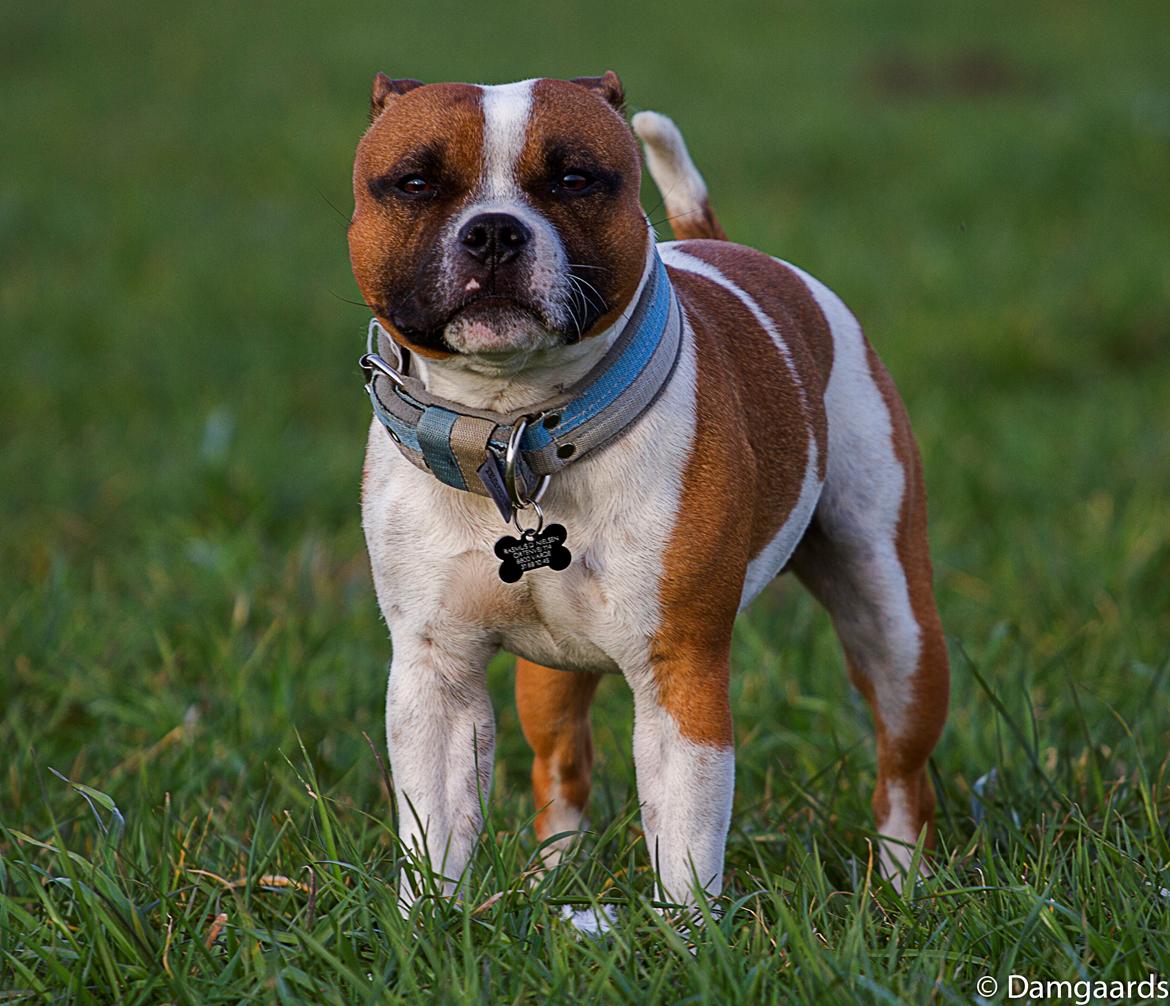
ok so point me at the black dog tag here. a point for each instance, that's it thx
(532, 550)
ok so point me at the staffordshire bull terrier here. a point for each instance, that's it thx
(668, 426)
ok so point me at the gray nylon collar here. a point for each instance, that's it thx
(461, 446)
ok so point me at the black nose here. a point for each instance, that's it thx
(494, 238)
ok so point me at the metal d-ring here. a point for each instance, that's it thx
(371, 361)
(539, 518)
(511, 454)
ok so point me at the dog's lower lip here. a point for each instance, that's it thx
(490, 300)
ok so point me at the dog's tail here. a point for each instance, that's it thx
(684, 193)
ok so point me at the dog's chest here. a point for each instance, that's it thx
(436, 573)
(584, 617)
(431, 547)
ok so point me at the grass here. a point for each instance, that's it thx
(193, 806)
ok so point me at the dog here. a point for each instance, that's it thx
(696, 416)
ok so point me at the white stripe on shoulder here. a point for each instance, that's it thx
(673, 255)
(506, 110)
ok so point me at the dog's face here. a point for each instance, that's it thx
(491, 221)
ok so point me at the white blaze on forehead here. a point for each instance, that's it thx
(506, 110)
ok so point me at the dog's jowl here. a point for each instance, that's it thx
(690, 418)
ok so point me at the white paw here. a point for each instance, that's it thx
(895, 861)
(592, 921)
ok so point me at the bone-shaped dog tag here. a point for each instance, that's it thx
(532, 550)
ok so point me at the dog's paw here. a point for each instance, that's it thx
(903, 866)
(591, 921)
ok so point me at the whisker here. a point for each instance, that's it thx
(677, 216)
(576, 313)
(304, 176)
(332, 205)
(580, 290)
(578, 282)
(579, 301)
(600, 299)
(661, 199)
(576, 304)
(356, 303)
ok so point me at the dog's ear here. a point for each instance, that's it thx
(385, 90)
(608, 87)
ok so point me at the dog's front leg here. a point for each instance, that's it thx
(441, 736)
(685, 767)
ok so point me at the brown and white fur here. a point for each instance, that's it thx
(779, 442)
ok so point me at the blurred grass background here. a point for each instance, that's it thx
(183, 586)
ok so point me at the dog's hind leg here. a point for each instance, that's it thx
(866, 558)
(554, 714)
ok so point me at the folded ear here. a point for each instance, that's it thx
(385, 90)
(608, 87)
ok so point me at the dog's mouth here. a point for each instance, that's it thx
(493, 322)
(486, 304)
(490, 324)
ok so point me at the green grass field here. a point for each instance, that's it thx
(193, 807)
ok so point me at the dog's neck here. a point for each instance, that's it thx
(510, 383)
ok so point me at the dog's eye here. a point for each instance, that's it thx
(576, 181)
(415, 185)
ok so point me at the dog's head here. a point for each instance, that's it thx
(491, 221)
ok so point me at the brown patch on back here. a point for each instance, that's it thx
(743, 477)
(785, 299)
(745, 384)
(783, 296)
